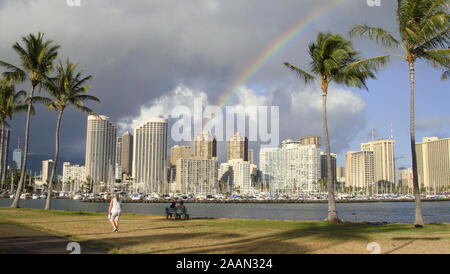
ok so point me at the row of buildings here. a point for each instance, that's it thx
(375, 164)
(296, 166)
(141, 161)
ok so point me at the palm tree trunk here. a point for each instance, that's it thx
(55, 161)
(418, 220)
(3, 170)
(15, 203)
(332, 213)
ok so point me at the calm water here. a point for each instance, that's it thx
(434, 212)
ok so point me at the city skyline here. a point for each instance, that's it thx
(217, 67)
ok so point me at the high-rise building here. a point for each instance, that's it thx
(196, 175)
(237, 174)
(242, 182)
(311, 140)
(340, 174)
(270, 162)
(237, 147)
(73, 176)
(47, 166)
(323, 166)
(300, 166)
(405, 177)
(292, 168)
(127, 153)
(17, 156)
(359, 169)
(340, 171)
(177, 152)
(150, 155)
(433, 163)
(4, 153)
(118, 170)
(383, 157)
(205, 145)
(251, 156)
(100, 158)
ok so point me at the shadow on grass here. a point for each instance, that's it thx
(118, 243)
(416, 238)
(290, 241)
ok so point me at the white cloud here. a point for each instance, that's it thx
(300, 111)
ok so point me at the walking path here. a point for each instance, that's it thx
(16, 239)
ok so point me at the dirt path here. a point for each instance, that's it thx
(16, 239)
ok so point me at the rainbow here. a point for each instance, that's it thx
(275, 47)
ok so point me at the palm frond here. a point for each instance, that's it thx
(437, 57)
(446, 75)
(379, 35)
(305, 76)
(40, 100)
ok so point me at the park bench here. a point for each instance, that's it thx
(177, 212)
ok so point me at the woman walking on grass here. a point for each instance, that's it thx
(114, 211)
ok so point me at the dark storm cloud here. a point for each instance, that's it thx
(140, 50)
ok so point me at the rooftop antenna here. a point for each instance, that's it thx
(392, 134)
(18, 141)
(373, 134)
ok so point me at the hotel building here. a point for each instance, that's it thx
(150, 155)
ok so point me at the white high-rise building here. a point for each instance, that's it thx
(359, 169)
(73, 176)
(47, 166)
(100, 158)
(270, 160)
(17, 158)
(300, 166)
(383, 158)
(150, 155)
(292, 168)
(242, 182)
(196, 175)
(433, 163)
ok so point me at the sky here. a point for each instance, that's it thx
(147, 57)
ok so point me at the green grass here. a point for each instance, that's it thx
(141, 233)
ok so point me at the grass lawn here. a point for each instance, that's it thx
(154, 234)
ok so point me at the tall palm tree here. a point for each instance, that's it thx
(10, 103)
(333, 59)
(36, 58)
(424, 34)
(66, 89)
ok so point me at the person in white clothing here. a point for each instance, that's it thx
(114, 211)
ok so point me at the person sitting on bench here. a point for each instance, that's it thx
(173, 205)
(181, 205)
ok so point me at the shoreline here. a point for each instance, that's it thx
(265, 201)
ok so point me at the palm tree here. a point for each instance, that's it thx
(10, 103)
(333, 59)
(67, 88)
(36, 58)
(424, 34)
